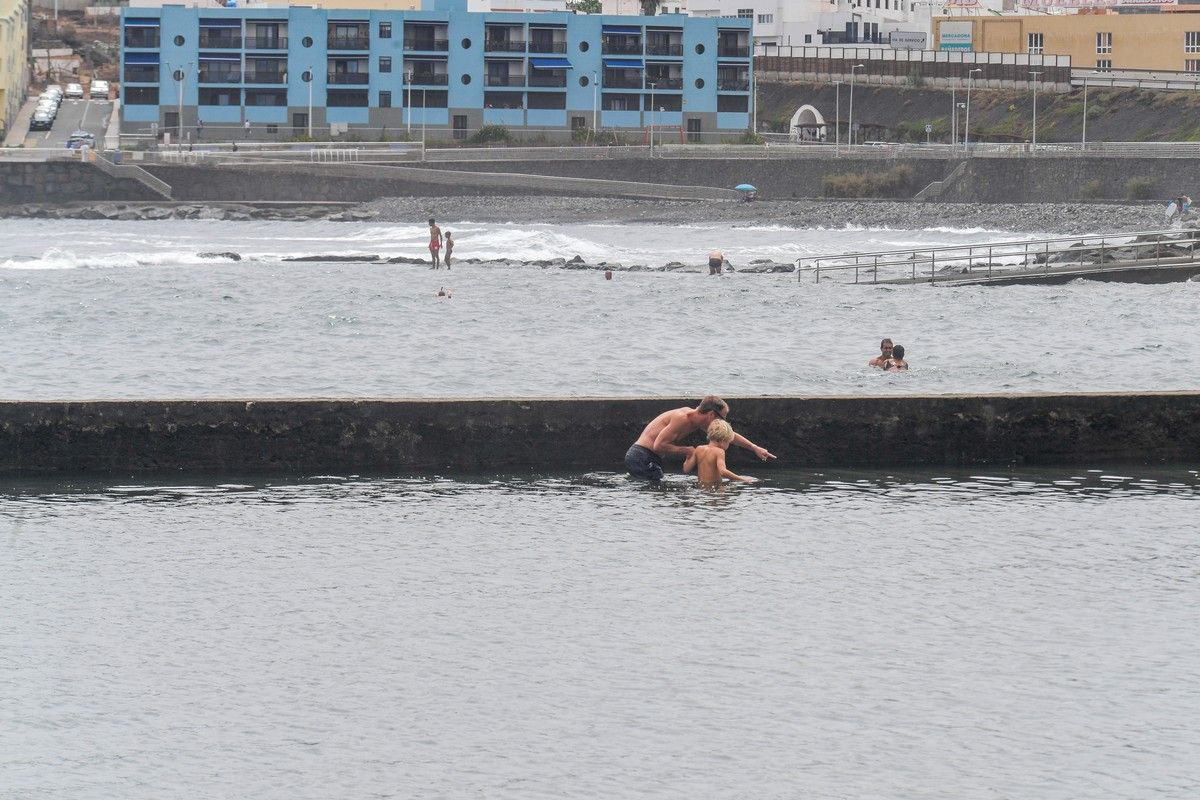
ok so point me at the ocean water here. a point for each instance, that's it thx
(99, 309)
(940, 634)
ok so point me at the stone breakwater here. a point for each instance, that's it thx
(429, 436)
(762, 265)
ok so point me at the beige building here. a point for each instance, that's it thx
(1163, 41)
(14, 58)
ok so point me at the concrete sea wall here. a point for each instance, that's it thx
(64, 182)
(491, 435)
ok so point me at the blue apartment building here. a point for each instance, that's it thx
(284, 69)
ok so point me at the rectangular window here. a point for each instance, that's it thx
(385, 99)
(220, 97)
(1103, 42)
(1036, 44)
(1191, 42)
(579, 123)
(547, 100)
(272, 129)
(736, 102)
(385, 30)
(1104, 65)
(140, 95)
(266, 97)
(745, 13)
(385, 63)
(1192, 65)
(766, 18)
(808, 38)
(346, 98)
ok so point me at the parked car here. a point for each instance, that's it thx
(99, 89)
(49, 99)
(53, 92)
(74, 90)
(54, 87)
(42, 121)
(78, 139)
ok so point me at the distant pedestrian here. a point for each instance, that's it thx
(199, 129)
(247, 127)
(435, 244)
(716, 261)
(449, 250)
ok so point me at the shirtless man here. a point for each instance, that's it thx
(885, 352)
(716, 260)
(644, 459)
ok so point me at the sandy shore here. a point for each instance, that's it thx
(1067, 219)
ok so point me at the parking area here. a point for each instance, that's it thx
(73, 115)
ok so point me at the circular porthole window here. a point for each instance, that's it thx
(584, 81)
(306, 76)
(584, 47)
(179, 40)
(466, 79)
(306, 41)
(699, 49)
(177, 75)
(699, 83)
(466, 44)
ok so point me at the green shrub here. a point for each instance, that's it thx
(491, 133)
(1140, 189)
(1091, 190)
(749, 137)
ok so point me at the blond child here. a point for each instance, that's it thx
(709, 459)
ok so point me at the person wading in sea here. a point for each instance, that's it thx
(435, 243)
(644, 458)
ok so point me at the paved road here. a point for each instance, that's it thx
(73, 115)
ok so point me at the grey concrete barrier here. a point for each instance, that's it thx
(504, 435)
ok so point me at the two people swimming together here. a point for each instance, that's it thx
(890, 358)
(660, 439)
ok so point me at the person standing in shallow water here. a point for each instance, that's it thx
(716, 260)
(645, 458)
(435, 244)
(449, 249)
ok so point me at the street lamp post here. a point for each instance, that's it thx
(967, 130)
(408, 83)
(652, 85)
(1083, 142)
(424, 114)
(953, 118)
(850, 132)
(311, 76)
(1035, 75)
(837, 117)
(595, 107)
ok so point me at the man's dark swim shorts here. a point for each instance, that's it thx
(642, 462)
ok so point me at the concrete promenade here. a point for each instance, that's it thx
(583, 434)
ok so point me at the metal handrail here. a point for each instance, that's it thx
(975, 257)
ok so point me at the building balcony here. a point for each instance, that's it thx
(733, 51)
(141, 73)
(429, 79)
(212, 41)
(266, 43)
(664, 50)
(731, 85)
(266, 76)
(141, 37)
(504, 80)
(549, 80)
(504, 46)
(430, 45)
(220, 76)
(349, 43)
(664, 84)
(348, 78)
(614, 82)
(547, 47)
(621, 48)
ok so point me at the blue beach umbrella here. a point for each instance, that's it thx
(745, 187)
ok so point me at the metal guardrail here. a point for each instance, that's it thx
(967, 262)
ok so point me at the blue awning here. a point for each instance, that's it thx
(632, 29)
(142, 22)
(221, 23)
(208, 57)
(624, 63)
(549, 63)
(141, 58)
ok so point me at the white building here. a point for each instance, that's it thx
(635, 7)
(801, 22)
